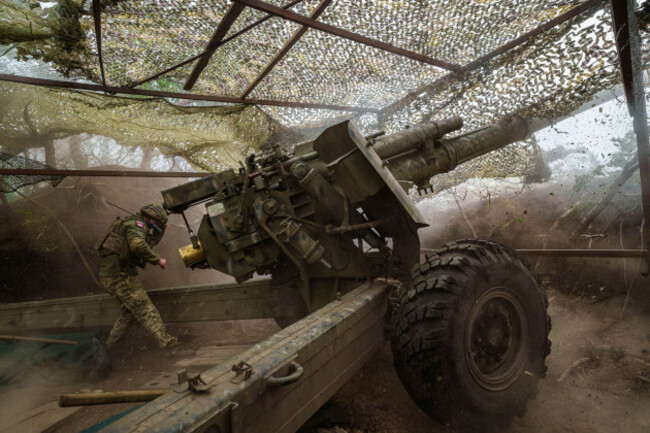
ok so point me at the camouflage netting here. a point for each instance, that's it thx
(211, 138)
(13, 183)
(548, 76)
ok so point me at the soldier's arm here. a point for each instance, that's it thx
(138, 245)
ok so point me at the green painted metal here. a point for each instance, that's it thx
(330, 346)
(253, 300)
(305, 217)
(443, 155)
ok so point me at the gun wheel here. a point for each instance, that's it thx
(471, 333)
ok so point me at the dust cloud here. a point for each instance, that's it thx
(39, 259)
(598, 377)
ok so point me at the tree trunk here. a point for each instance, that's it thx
(50, 153)
(147, 155)
(78, 158)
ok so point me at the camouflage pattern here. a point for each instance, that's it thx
(136, 251)
(135, 303)
(156, 212)
(119, 268)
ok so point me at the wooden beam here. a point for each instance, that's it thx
(109, 397)
(323, 351)
(191, 96)
(222, 29)
(209, 47)
(38, 340)
(336, 31)
(290, 43)
(210, 302)
(612, 253)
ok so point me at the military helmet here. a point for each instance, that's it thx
(156, 212)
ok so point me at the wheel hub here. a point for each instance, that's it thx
(496, 338)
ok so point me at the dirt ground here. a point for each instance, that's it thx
(135, 362)
(598, 378)
(608, 391)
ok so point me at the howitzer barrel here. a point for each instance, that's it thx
(419, 166)
(415, 137)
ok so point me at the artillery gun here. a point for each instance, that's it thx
(469, 330)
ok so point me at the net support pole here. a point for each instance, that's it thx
(455, 76)
(628, 44)
(285, 49)
(222, 29)
(211, 47)
(339, 32)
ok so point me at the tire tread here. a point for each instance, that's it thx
(421, 321)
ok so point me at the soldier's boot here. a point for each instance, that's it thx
(153, 323)
(171, 344)
(178, 350)
(133, 297)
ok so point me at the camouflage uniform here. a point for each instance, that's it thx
(122, 254)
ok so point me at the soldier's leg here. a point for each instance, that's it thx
(120, 325)
(133, 296)
(110, 284)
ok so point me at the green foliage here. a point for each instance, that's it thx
(54, 35)
(598, 171)
(29, 218)
(626, 150)
(163, 84)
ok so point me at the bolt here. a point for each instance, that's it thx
(300, 170)
(270, 207)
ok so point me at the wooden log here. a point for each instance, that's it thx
(111, 397)
(38, 340)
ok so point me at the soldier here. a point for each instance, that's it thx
(126, 246)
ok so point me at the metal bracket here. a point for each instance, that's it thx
(243, 371)
(191, 382)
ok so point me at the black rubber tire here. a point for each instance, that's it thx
(470, 334)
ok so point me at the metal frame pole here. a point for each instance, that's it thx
(628, 43)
